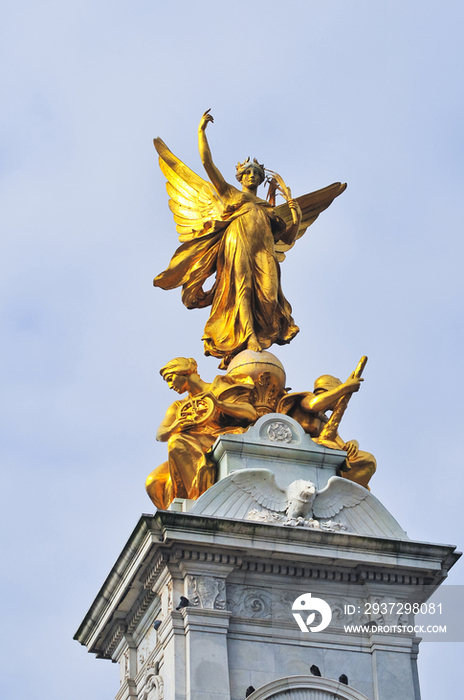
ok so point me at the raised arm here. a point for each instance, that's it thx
(205, 154)
(325, 400)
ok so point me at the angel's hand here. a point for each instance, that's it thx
(295, 211)
(294, 206)
(204, 121)
(352, 448)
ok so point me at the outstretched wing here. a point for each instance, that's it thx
(338, 494)
(261, 485)
(192, 200)
(236, 494)
(311, 206)
(347, 503)
(357, 509)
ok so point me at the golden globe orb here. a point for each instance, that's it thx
(267, 373)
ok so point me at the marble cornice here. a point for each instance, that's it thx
(274, 542)
(174, 541)
(118, 582)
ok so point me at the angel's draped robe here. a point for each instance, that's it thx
(246, 296)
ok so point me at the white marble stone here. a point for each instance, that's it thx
(241, 578)
(207, 668)
(277, 442)
(258, 470)
(252, 494)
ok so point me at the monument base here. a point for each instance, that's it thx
(203, 600)
(237, 629)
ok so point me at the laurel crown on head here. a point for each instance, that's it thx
(243, 167)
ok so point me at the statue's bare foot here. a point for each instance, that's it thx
(253, 344)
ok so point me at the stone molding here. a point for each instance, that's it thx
(142, 608)
(208, 592)
(115, 639)
(207, 556)
(209, 584)
(332, 574)
(306, 688)
(204, 620)
(177, 545)
(155, 571)
(329, 574)
(257, 440)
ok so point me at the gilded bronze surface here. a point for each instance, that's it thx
(330, 430)
(268, 376)
(239, 238)
(191, 426)
(309, 408)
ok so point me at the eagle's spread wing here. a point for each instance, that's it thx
(347, 503)
(338, 494)
(311, 206)
(235, 495)
(261, 485)
(192, 200)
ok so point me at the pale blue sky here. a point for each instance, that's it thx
(364, 92)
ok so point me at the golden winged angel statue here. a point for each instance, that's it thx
(241, 239)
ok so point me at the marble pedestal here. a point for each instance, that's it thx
(241, 578)
(279, 443)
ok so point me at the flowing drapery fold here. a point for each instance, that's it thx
(246, 296)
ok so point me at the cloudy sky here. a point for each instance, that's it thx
(364, 92)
